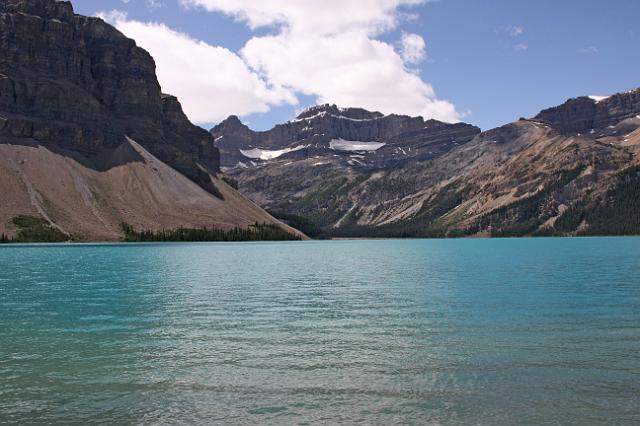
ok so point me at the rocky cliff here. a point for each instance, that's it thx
(75, 83)
(587, 113)
(87, 139)
(572, 169)
(379, 140)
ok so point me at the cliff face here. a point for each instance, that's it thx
(585, 113)
(88, 141)
(75, 83)
(570, 170)
(399, 137)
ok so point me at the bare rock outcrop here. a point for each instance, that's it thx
(585, 113)
(403, 137)
(76, 84)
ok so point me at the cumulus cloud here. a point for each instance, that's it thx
(330, 52)
(309, 16)
(211, 81)
(347, 69)
(413, 48)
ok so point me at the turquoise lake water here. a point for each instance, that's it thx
(443, 332)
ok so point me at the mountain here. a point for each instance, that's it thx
(356, 136)
(571, 170)
(88, 140)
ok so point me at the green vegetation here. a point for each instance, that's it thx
(256, 232)
(617, 213)
(525, 216)
(32, 229)
(320, 207)
(427, 223)
(305, 225)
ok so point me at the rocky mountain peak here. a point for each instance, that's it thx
(231, 123)
(76, 84)
(582, 114)
(336, 112)
(317, 110)
(326, 130)
(61, 10)
(88, 141)
(232, 126)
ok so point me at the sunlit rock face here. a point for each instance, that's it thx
(571, 170)
(318, 131)
(592, 112)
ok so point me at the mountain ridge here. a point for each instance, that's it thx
(314, 130)
(89, 141)
(517, 179)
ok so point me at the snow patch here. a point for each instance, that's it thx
(344, 145)
(339, 117)
(266, 154)
(298, 120)
(599, 99)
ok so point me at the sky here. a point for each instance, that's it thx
(485, 62)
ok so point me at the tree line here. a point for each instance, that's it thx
(255, 232)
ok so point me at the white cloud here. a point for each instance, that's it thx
(413, 48)
(514, 30)
(347, 69)
(311, 16)
(330, 51)
(590, 50)
(521, 47)
(211, 82)
(154, 4)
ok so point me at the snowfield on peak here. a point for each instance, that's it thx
(599, 98)
(344, 145)
(266, 154)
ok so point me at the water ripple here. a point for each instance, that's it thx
(479, 332)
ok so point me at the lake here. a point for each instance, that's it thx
(442, 332)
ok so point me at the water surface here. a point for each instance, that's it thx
(482, 332)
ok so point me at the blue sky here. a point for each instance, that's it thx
(489, 62)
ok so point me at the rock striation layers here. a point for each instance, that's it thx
(75, 83)
(571, 170)
(585, 113)
(88, 141)
(311, 134)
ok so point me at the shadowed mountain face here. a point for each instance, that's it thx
(570, 170)
(77, 84)
(357, 136)
(87, 139)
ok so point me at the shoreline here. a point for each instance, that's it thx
(341, 239)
